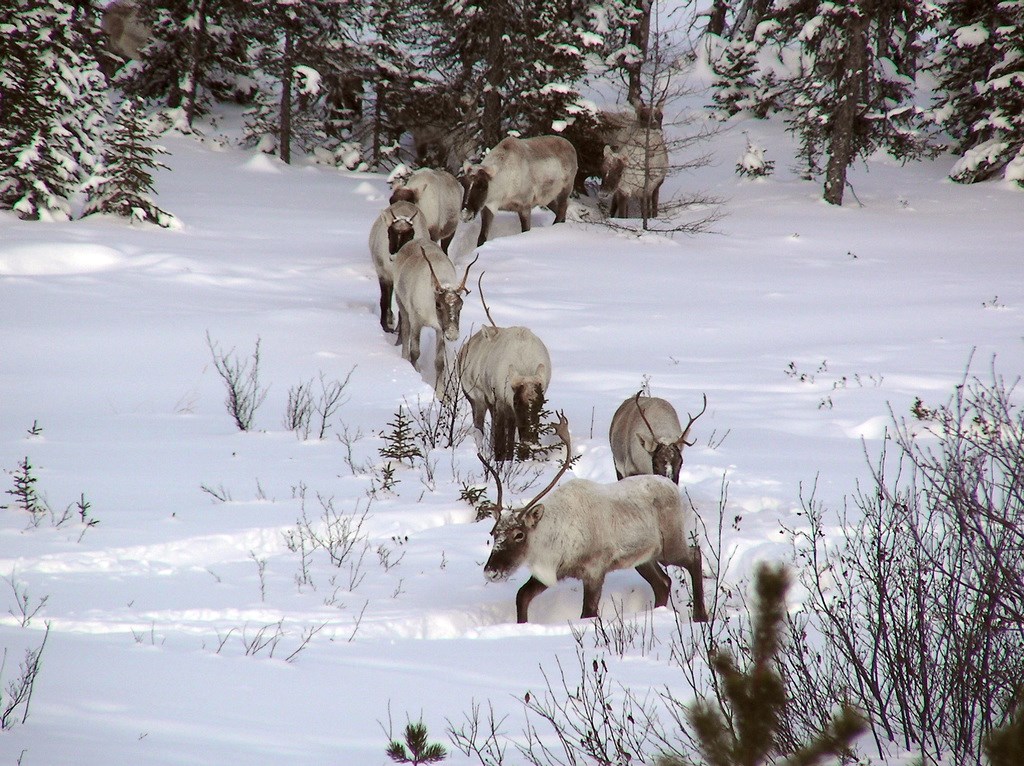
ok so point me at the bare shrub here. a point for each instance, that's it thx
(339, 535)
(242, 379)
(919, 607)
(482, 739)
(16, 692)
(27, 609)
(303, 405)
(442, 422)
(595, 721)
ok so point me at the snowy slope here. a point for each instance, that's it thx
(103, 344)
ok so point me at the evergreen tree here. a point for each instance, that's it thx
(302, 58)
(124, 183)
(198, 52)
(52, 107)
(962, 62)
(849, 89)
(980, 71)
(740, 85)
(519, 61)
(402, 94)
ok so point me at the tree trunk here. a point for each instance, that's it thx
(639, 33)
(198, 38)
(491, 119)
(852, 85)
(287, 67)
(716, 18)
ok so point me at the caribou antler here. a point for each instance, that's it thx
(689, 425)
(462, 285)
(562, 432)
(497, 481)
(642, 416)
(480, 287)
(437, 283)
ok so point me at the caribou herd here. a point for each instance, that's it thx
(582, 530)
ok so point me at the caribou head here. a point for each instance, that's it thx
(666, 457)
(476, 181)
(513, 528)
(401, 230)
(448, 300)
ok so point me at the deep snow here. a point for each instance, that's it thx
(103, 345)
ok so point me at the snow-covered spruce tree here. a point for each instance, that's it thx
(295, 47)
(123, 183)
(518, 60)
(854, 93)
(52, 107)
(980, 70)
(197, 53)
(740, 84)
(401, 96)
(843, 71)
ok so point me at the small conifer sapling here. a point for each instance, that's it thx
(124, 182)
(416, 749)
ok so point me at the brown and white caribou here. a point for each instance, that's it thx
(438, 195)
(646, 437)
(428, 296)
(584, 530)
(635, 161)
(505, 371)
(395, 225)
(517, 175)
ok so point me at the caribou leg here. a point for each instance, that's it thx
(503, 433)
(439, 365)
(654, 199)
(524, 219)
(592, 596)
(446, 242)
(620, 205)
(479, 407)
(404, 328)
(486, 216)
(530, 590)
(560, 206)
(387, 319)
(659, 581)
(411, 340)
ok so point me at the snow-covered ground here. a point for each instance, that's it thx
(801, 322)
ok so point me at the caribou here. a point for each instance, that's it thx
(125, 29)
(646, 437)
(428, 296)
(517, 175)
(395, 225)
(505, 371)
(438, 195)
(634, 166)
(584, 530)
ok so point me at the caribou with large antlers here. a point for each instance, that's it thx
(428, 296)
(585, 530)
(646, 437)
